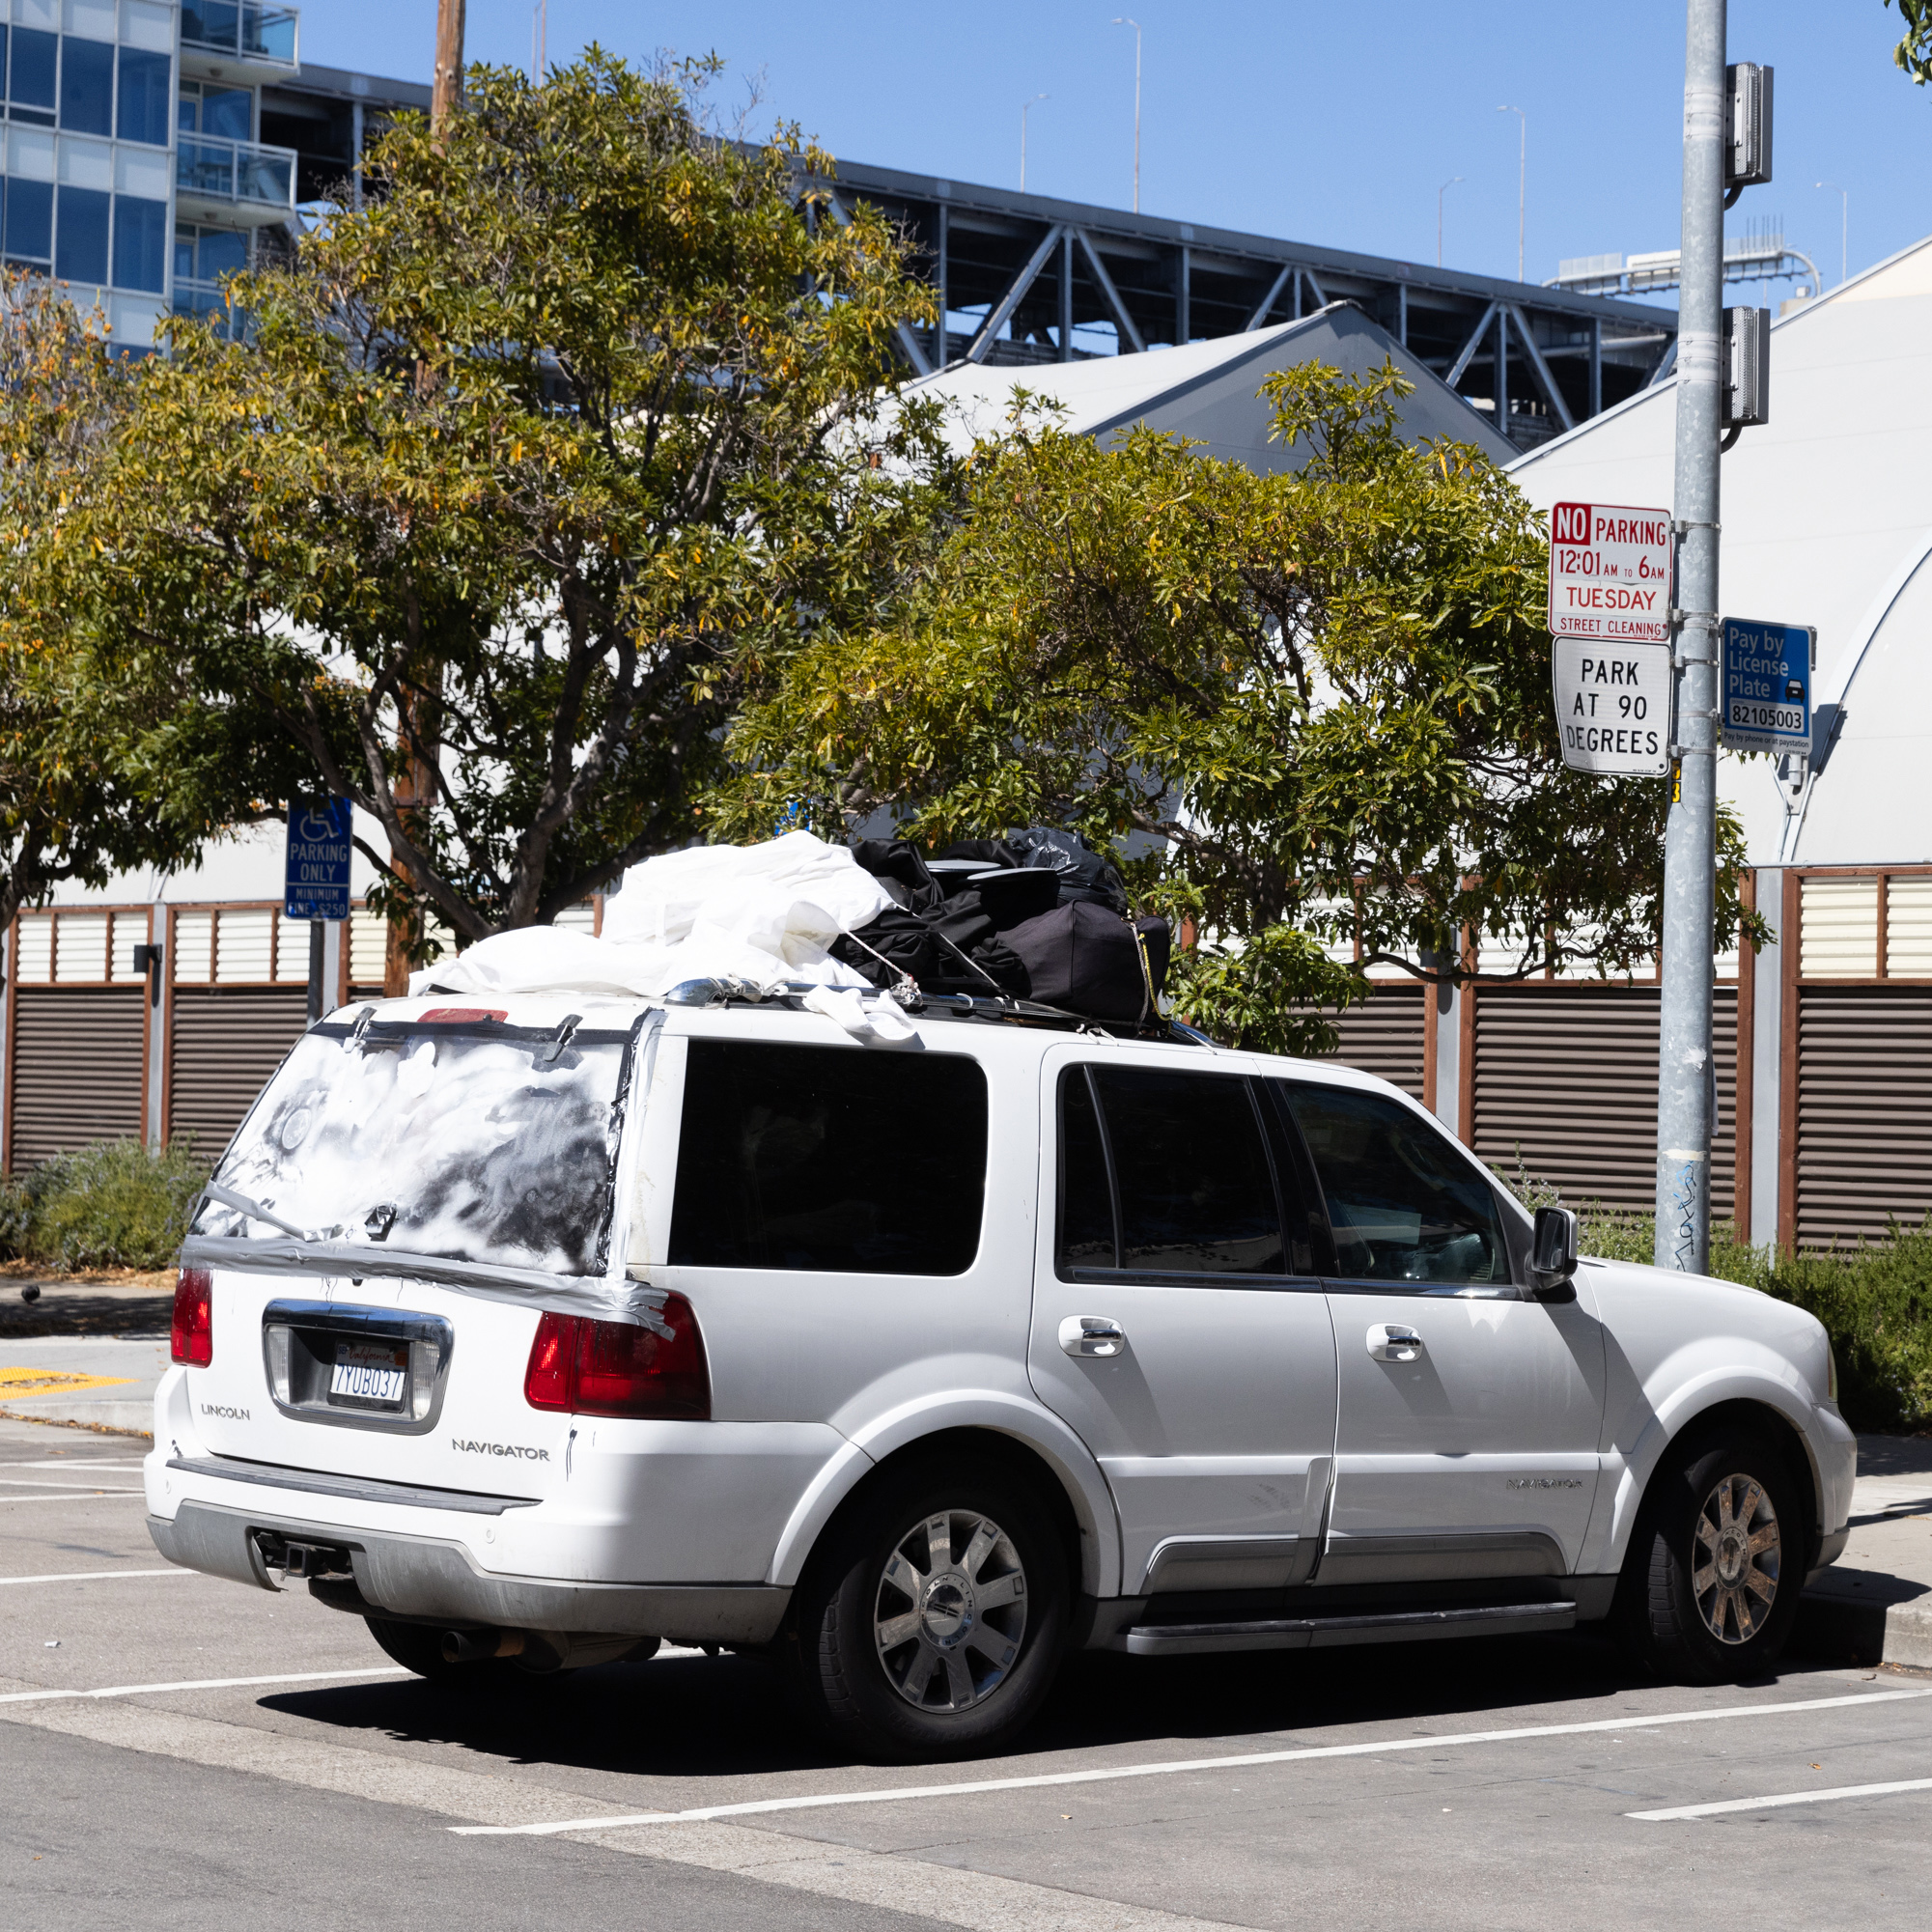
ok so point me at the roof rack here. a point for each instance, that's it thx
(734, 991)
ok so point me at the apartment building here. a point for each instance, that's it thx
(151, 149)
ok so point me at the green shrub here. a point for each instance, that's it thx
(111, 1205)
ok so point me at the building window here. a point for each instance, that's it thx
(225, 112)
(29, 222)
(87, 87)
(143, 114)
(140, 244)
(30, 75)
(82, 252)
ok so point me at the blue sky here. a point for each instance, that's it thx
(1332, 123)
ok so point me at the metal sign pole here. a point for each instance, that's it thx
(1685, 1089)
(317, 935)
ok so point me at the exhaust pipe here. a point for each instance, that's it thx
(478, 1646)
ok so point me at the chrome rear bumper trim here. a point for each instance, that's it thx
(354, 1489)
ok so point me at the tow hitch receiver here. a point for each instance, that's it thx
(302, 1560)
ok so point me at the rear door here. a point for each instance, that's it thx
(1466, 1439)
(1173, 1328)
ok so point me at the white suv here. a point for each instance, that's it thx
(543, 1334)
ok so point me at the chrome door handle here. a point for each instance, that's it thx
(1390, 1341)
(1093, 1335)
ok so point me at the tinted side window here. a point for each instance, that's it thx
(1405, 1205)
(833, 1158)
(1086, 1233)
(1189, 1170)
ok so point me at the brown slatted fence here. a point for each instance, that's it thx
(1566, 1078)
(1386, 1035)
(1864, 1110)
(78, 1054)
(227, 1041)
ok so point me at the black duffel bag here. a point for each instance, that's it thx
(1084, 959)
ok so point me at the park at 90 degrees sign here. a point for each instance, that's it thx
(1613, 707)
(1610, 573)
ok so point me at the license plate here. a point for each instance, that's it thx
(375, 1373)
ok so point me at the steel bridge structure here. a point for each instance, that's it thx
(1026, 278)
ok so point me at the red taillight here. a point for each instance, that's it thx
(612, 1368)
(546, 1380)
(192, 1337)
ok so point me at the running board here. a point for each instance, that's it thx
(1317, 1633)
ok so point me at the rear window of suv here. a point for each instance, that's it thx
(840, 1159)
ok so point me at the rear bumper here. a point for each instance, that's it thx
(426, 1579)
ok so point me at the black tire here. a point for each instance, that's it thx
(983, 1631)
(1710, 1587)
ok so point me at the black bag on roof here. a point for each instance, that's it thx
(1084, 874)
(898, 865)
(1084, 959)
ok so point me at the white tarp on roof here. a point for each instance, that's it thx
(762, 913)
(1827, 517)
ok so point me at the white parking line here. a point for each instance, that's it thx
(202, 1684)
(1784, 1797)
(1383, 1748)
(74, 1492)
(64, 1488)
(95, 1575)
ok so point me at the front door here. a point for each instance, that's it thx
(1466, 1439)
(1173, 1329)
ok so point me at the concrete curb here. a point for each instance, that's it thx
(107, 1418)
(1856, 1631)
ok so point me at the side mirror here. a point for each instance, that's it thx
(1552, 1255)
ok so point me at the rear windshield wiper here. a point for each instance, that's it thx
(255, 1211)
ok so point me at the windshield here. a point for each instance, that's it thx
(472, 1142)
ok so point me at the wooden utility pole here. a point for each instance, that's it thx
(415, 781)
(447, 96)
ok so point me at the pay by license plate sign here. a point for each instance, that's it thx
(372, 1375)
(1613, 707)
(1767, 702)
(1610, 573)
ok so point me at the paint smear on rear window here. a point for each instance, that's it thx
(437, 1142)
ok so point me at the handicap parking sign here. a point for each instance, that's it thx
(316, 884)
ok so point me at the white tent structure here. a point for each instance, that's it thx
(1827, 515)
(1209, 391)
(1827, 521)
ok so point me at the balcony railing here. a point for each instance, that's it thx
(242, 31)
(236, 171)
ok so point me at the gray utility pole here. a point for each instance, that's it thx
(1685, 1087)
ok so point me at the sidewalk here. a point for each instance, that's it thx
(98, 1382)
(1874, 1604)
(131, 1307)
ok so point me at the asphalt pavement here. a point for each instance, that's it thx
(179, 1751)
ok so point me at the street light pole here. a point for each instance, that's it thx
(1121, 21)
(1844, 231)
(1685, 1087)
(1522, 179)
(1025, 108)
(1439, 193)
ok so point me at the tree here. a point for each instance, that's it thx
(71, 808)
(1322, 698)
(531, 461)
(1913, 54)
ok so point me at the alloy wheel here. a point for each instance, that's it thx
(950, 1610)
(1738, 1557)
